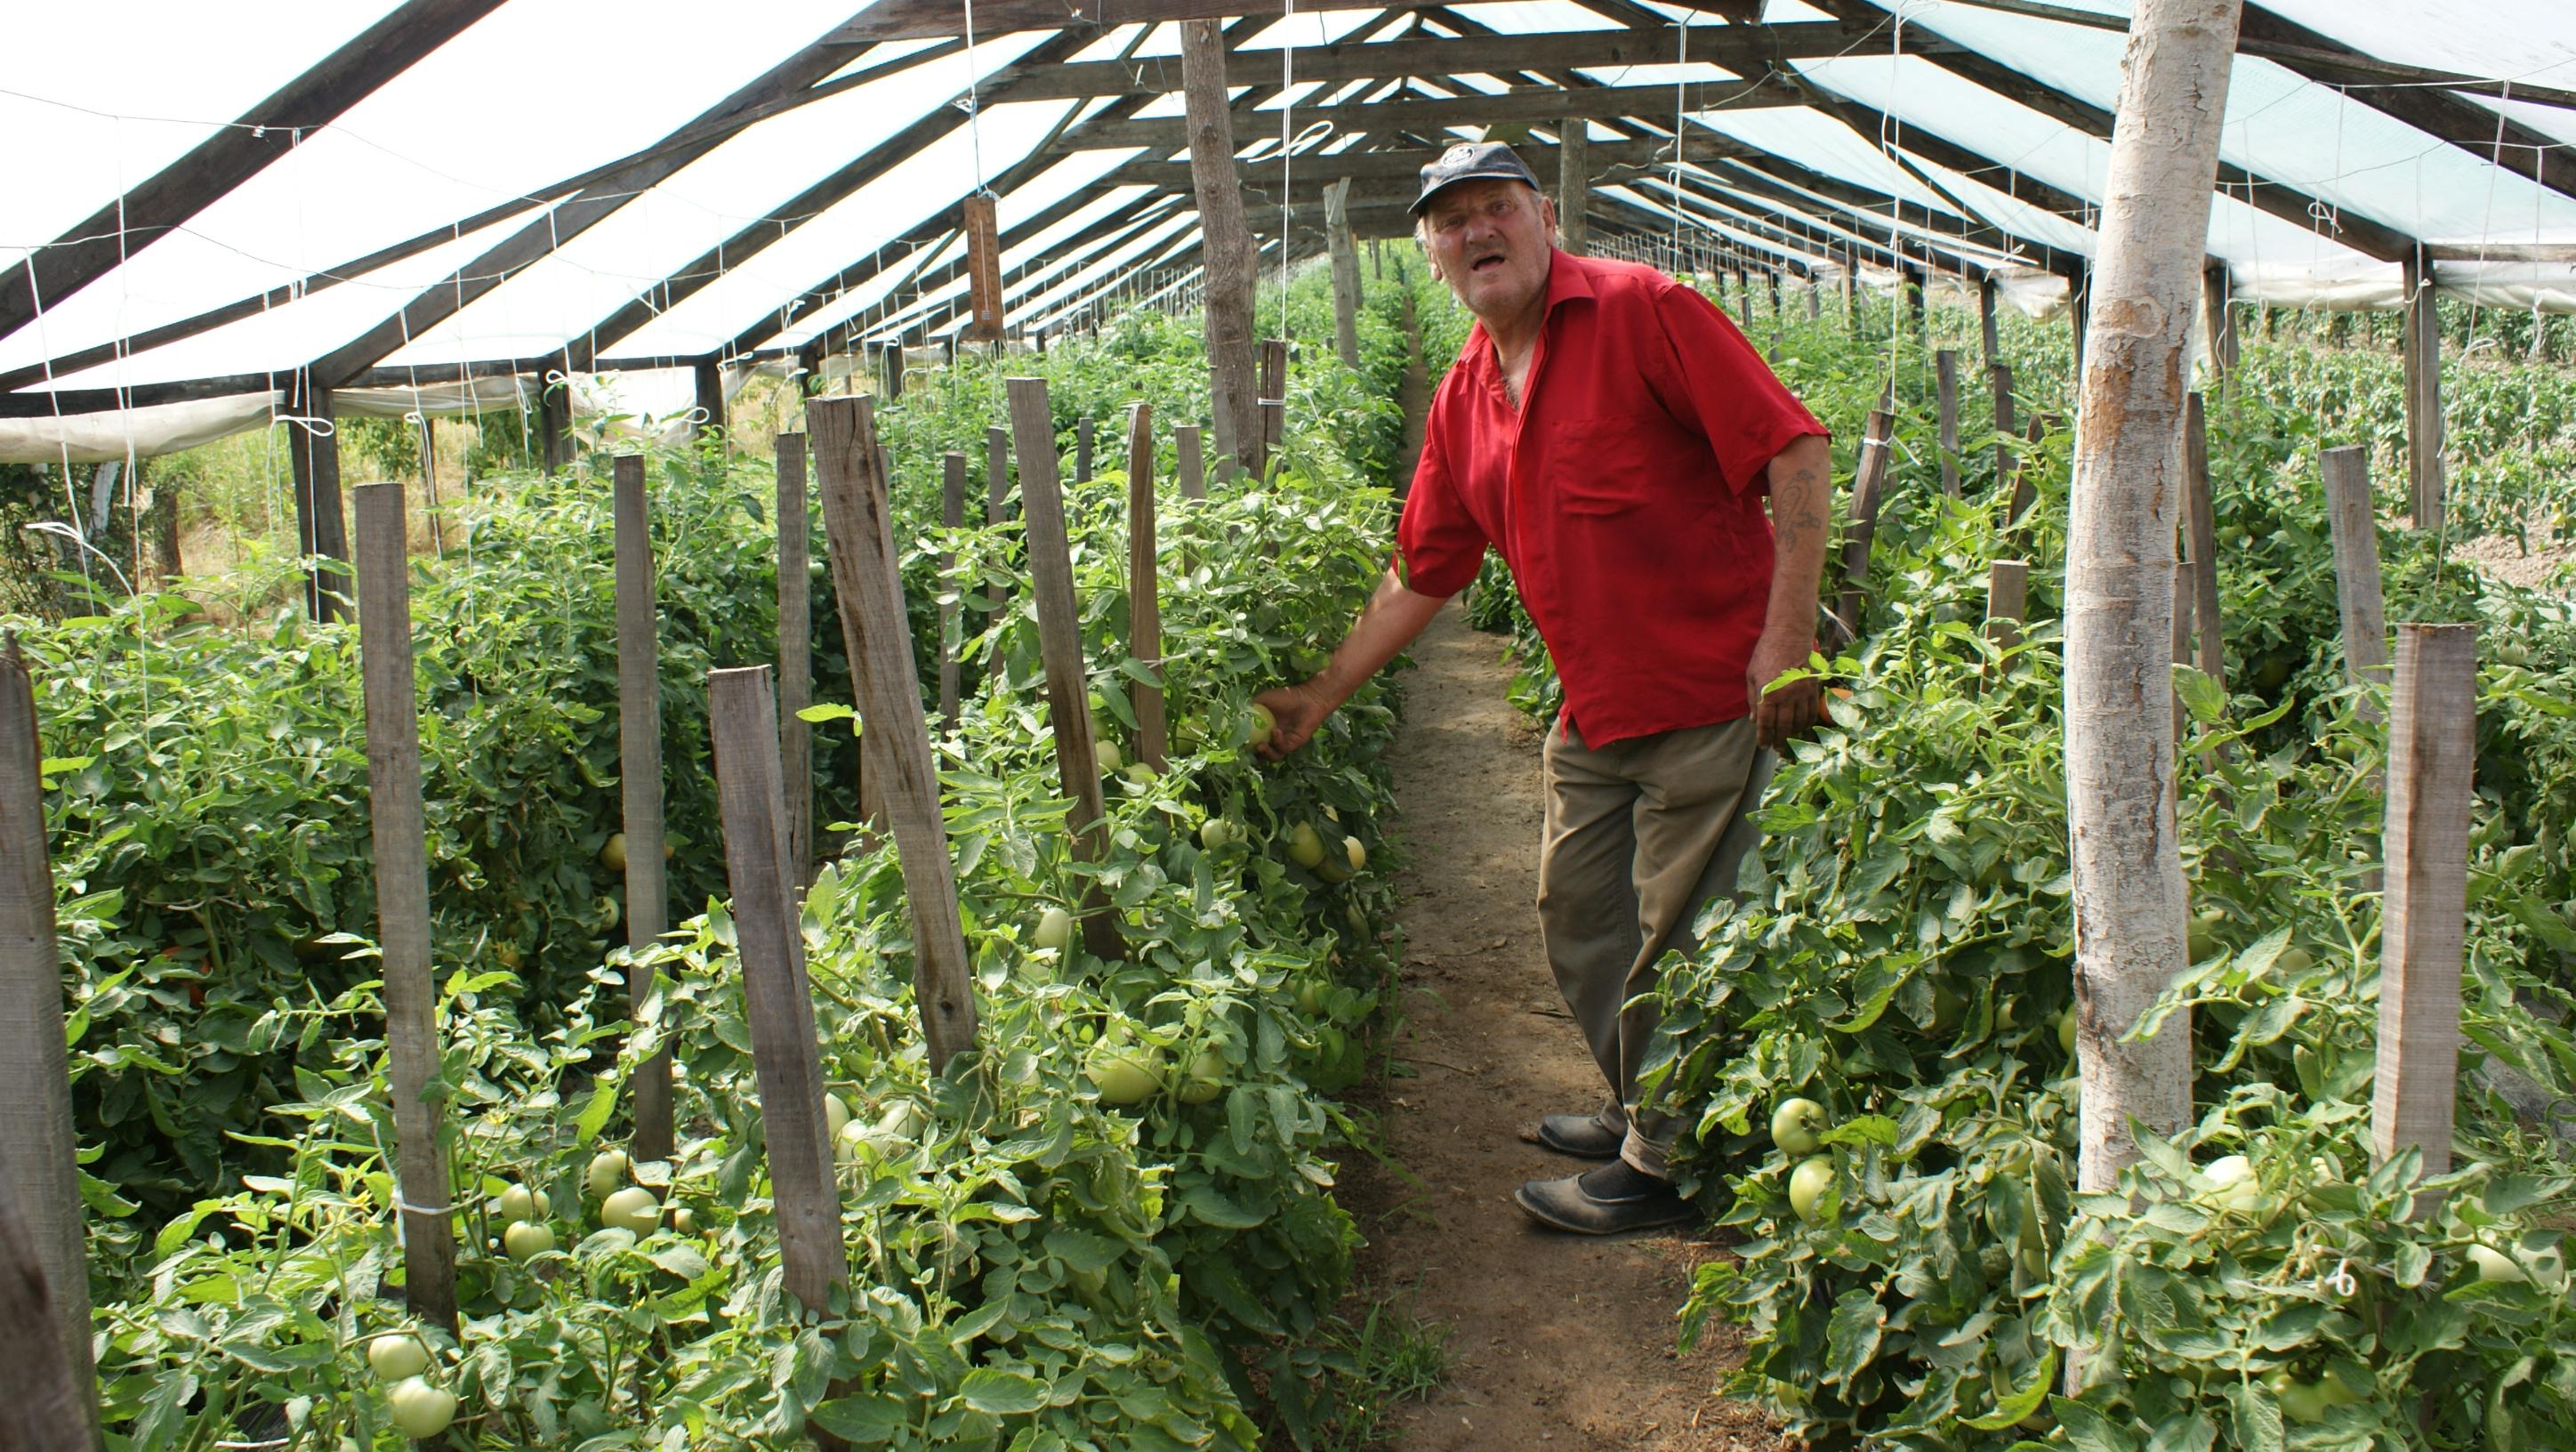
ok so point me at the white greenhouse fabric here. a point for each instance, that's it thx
(120, 91)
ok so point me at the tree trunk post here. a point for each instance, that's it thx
(39, 1170)
(743, 720)
(952, 515)
(2211, 656)
(2423, 345)
(2355, 527)
(1226, 284)
(1868, 479)
(639, 769)
(1144, 586)
(1945, 388)
(1346, 272)
(796, 653)
(1060, 645)
(858, 530)
(422, 1192)
(2129, 893)
(322, 530)
(2432, 770)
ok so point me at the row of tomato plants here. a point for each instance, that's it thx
(1094, 1232)
(1872, 1043)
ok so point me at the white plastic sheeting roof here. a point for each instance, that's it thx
(103, 97)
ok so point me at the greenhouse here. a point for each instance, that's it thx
(1523, 723)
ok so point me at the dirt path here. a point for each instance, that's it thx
(1556, 1341)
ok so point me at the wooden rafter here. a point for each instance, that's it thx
(1424, 113)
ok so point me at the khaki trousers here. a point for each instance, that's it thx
(1641, 836)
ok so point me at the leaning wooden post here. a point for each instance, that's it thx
(859, 531)
(1190, 471)
(421, 1189)
(795, 653)
(1082, 451)
(38, 1164)
(2007, 601)
(639, 758)
(2432, 772)
(1144, 605)
(2211, 655)
(1945, 387)
(952, 515)
(1870, 476)
(742, 717)
(1060, 645)
(1999, 378)
(2423, 348)
(2355, 527)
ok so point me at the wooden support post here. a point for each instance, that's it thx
(2007, 601)
(2355, 527)
(1227, 249)
(1060, 646)
(1191, 469)
(2211, 656)
(743, 720)
(2432, 772)
(709, 377)
(2217, 304)
(1868, 479)
(639, 765)
(322, 532)
(554, 421)
(983, 269)
(952, 514)
(2000, 380)
(796, 653)
(2423, 351)
(422, 1192)
(859, 530)
(1346, 272)
(1082, 451)
(997, 497)
(894, 369)
(1574, 187)
(1986, 327)
(48, 1259)
(1945, 389)
(1144, 585)
(1274, 402)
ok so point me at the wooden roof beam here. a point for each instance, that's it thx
(1430, 113)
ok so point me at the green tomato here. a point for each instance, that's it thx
(1216, 834)
(526, 1240)
(396, 1356)
(1357, 852)
(1055, 929)
(1808, 1183)
(2066, 1032)
(607, 1171)
(1127, 1074)
(420, 1411)
(2495, 1265)
(1263, 723)
(2231, 1184)
(836, 1114)
(632, 1209)
(1105, 754)
(2301, 1401)
(1795, 1124)
(521, 1203)
(1305, 846)
(1205, 1078)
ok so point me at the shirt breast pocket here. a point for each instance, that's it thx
(1599, 466)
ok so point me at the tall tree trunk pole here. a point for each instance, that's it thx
(1228, 242)
(2129, 894)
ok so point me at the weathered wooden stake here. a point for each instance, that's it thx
(2422, 343)
(1190, 468)
(742, 716)
(322, 532)
(2355, 528)
(709, 377)
(1869, 477)
(1060, 646)
(39, 1174)
(1082, 451)
(422, 1192)
(1274, 401)
(639, 758)
(796, 653)
(1144, 603)
(997, 509)
(1987, 331)
(1999, 378)
(2432, 774)
(952, 513)
(554, 422)
(894, 369)
(1945, 387)
(2211, 656)
(2007, 601)
(859, 530)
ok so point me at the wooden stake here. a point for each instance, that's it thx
(1144, 603)
(2007, 601)
(859, 533)
(1082, 451)
(2217, 295)
(1060, 645)
(1999, 378)
(313, 453)
(796, 653)
(1945, 387)
(1986, 327)
(1192, 474)
(2211, 656)
(2423, 355)
(639, 756)
(743, 720)
(1869, 477)
(2024, 492)
(1274, 401)
(894, 370)
(709, 376)
(39, 1172)
(422, 1190)
(952, 514)
(2356, 555)
(2432, 772)
(997, 497)
(554, 422)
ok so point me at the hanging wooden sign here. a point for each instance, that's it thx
(983, 271)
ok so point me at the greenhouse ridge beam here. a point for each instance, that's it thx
(1417, 112)
(925, 19)
(233, 155)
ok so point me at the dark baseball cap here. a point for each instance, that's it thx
(1471, 161)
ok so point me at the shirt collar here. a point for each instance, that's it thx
(1568, 276)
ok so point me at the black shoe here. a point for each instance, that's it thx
(1611, 1200)
(1583, 1136)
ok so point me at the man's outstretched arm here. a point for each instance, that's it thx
(1802, 513)
(1394, 616)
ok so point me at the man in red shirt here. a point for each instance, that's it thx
(1613, 435)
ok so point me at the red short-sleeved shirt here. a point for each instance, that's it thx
(1626, 495)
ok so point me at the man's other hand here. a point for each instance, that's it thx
(1295, 712)
(1790, 711)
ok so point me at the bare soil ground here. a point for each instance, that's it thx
(1556, 1341)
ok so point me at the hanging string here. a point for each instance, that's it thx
(1287, 142)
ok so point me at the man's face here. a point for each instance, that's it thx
(1490, 238)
